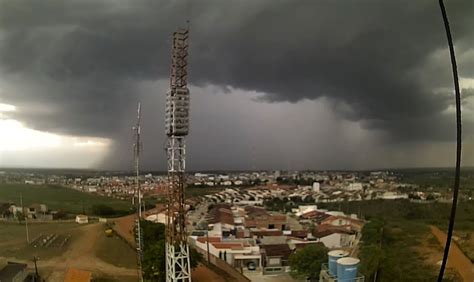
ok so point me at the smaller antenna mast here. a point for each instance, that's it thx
(136, 150)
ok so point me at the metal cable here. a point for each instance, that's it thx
(458, 141)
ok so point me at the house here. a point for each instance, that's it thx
(334, 236)
(239, 253)
(314, 216)
(37, 208)
(15, 209)
(81, 219)
(5, 210)
(14, 272)
(221, 220)
(157, 218)
(349, 222)
(259, 218)
(275, 257)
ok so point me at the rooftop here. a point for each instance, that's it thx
(11, 270)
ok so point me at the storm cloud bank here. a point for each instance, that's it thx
(77, 67)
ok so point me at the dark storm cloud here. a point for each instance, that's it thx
(73, 66)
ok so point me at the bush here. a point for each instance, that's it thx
(154, 256)
(103, 210)
(306, 263)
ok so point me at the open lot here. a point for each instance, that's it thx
(58, 198)
(13, 239)
(86, 248)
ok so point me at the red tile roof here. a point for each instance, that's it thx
(211, 239)
(267, 233)
(221, 213)
(227, 245)
(327, 229)
(278, 250)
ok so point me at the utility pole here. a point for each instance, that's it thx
(26, 219)
(35, 259)
(207, 240)
(178, 267)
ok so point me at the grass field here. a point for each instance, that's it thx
(57, 198)
(13, 238)
(116, 251)
(441, 180)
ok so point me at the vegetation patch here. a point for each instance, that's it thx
(116, 251)
(154, 257)
(60, 198)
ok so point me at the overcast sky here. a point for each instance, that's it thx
(275, 84)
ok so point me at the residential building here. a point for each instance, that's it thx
(14, 272)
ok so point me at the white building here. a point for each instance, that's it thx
(354, 187)
(316, 187)
(157, 218)
(393, 196)
(82, 219)
(337, 240)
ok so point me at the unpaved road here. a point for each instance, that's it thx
(81, 255)
(124, 227)
(456, 258)
(203, 274)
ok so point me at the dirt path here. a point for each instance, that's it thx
(456, 259)
(203, 274)
(124, 227)
(81, 255)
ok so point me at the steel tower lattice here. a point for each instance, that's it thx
(178, 266)
(137, 193)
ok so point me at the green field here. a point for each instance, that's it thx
(116, 251)
(441, 180)
(13, 238)
(402, 232)
(393, 210)
(58, 198)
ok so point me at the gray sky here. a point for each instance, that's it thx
(278, 84)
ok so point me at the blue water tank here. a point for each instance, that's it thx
(347, 269)
(333, 256)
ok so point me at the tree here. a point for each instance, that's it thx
(154, 268)
(20, 216)
(154, 256)
(306, 263)
(370, 257)
(430, 197)
(103, 210)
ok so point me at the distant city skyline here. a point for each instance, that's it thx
(288, 85)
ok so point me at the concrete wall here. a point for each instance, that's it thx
(222, 265)
(331, 241)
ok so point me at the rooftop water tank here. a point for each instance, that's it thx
(347, 269)
(333, 256)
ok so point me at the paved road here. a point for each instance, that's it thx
(456, 258)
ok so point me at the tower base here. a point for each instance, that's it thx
(178, 266)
